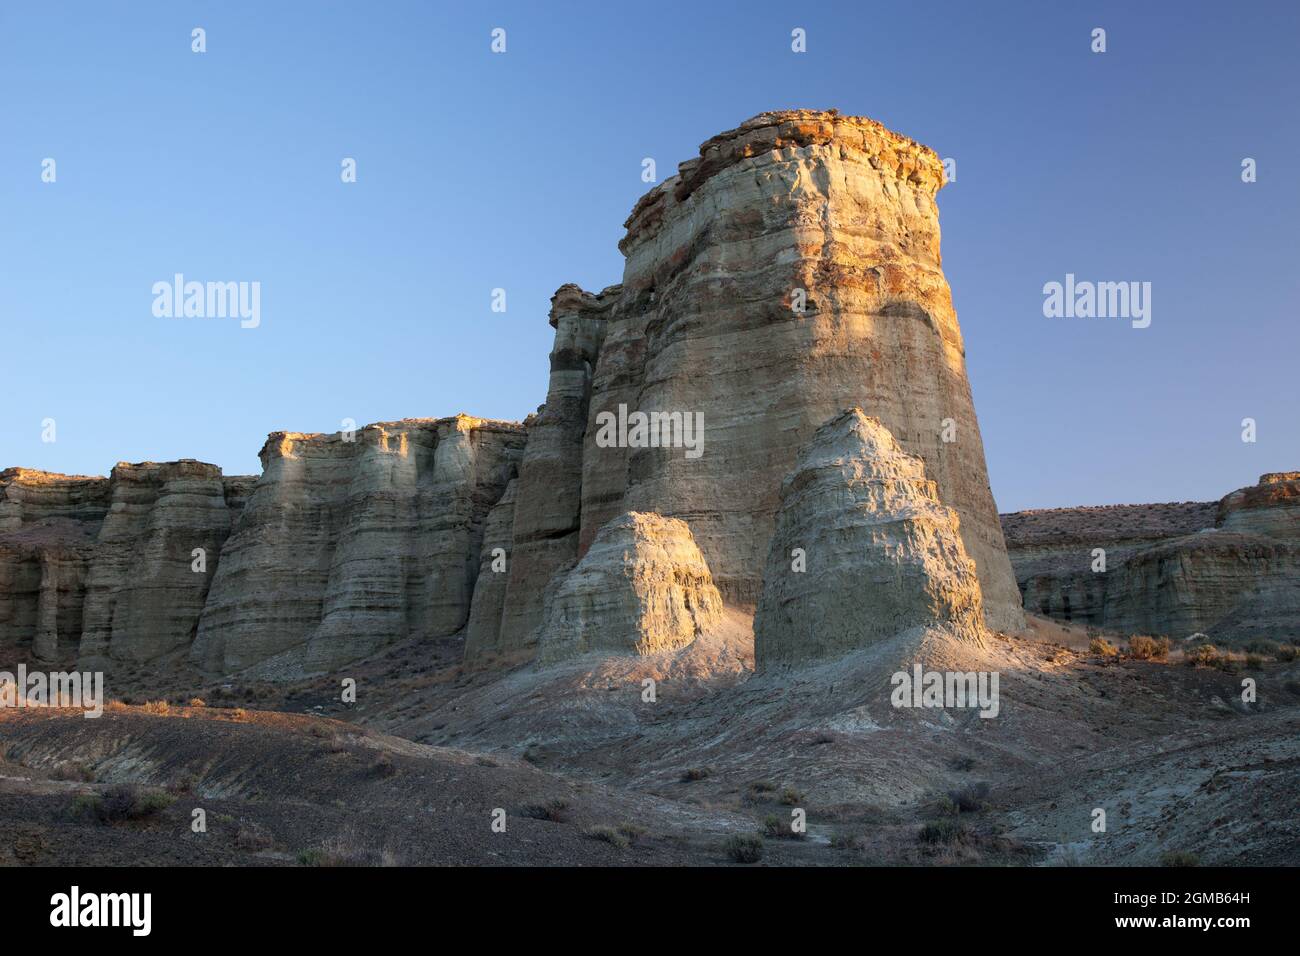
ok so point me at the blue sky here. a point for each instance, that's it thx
(478, 171)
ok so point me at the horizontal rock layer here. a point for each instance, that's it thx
(1229, 570)
(863, 551)
(115, 567)
(833, 214)
(347, 545)
(642, 588)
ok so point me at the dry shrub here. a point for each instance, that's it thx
(1102, 647)
(744, 848)
(1145, 648)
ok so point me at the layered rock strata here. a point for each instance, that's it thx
(548, 511)
(1228, 570)
(789, 272)
(863, 551)
(351, 542)
(115, 567)
(642, 588)
(483, 630)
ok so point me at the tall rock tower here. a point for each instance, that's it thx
(788, 273)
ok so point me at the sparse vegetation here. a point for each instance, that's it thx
(1102, 647)
(556, 811)
(971, 798)
(1263, 647)
(1254, 661)
(962, 764)
(1145, 648)
(776, 828)
(608, 835)
(633, 831)
(946, 831)
(348, 849)
(1286, 652)
(744, 848)
(121, 803)
(383, 766)
(695, 773)
(791, 797)
(1179, 858)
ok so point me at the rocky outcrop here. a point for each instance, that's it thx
(115, 567)
(155, 558)
(642, 588)
(1229, 570)
(48, 525)
(863, 551)
(1270, 508)
(789, 272)
(483, 631)
(350, 542)
(548, 513)
(1061, 540)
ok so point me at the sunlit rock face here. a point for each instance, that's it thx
(863, 551)
(1228, 570)
(347, 545)
(832, 213)
(1270, 508)
(642, 588)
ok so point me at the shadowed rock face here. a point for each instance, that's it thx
(116, 557)
(838, 209)
(643, 587)
(483, 631)
(1230, 571)
(345, 546)
(548, 511)
(863, 551)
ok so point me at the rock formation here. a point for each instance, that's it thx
(548, 510)
(863, 550)
(643, 587)
(792, 270)
(1230, 570)
(483, 630)
(348, 545)
(1271, 508)
(105, 567)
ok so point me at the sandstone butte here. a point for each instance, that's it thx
(787, 275)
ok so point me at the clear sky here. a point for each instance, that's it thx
(478, 170)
